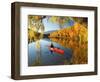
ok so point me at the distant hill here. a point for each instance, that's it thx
(48, 32)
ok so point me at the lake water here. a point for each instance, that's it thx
(43, 56)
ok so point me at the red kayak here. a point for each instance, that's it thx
(56, 50)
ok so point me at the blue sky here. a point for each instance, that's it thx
(49, 26)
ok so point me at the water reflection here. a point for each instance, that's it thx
(79, 49)
(48, 58)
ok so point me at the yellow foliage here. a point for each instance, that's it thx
(30, 35)
(76, 38)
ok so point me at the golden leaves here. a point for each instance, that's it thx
(76, 38)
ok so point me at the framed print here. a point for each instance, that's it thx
(50, 40)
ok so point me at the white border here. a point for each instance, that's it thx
(25, 70)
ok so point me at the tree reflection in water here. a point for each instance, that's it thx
(79, 49)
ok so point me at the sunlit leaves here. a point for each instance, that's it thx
(35, 28)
